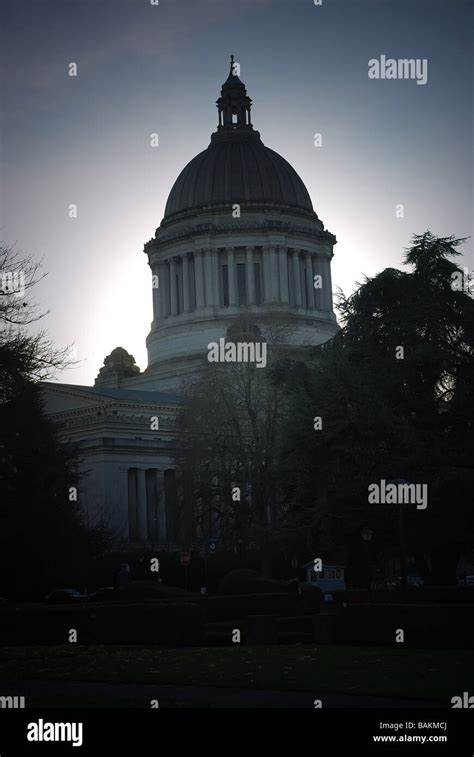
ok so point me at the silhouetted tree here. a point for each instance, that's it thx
(43, 539)
(394, 391)
(230, 432)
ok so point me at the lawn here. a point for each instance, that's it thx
(408, 673)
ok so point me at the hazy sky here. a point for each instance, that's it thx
(144, 69)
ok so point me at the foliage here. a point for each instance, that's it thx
(389, 418)
(231, 426)
(44, 540)
(246, 581)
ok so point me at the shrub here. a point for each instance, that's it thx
(311, 596)
(246, 581)
(424, 626)
(164, 622)
(41, 624)
(222, 607)
(138, 590)
(237, 581)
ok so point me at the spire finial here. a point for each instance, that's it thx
(234, 104)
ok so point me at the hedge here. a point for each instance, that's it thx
(173, 622)
(246, 581)
(164, 623)
(223, 607)
(429, 595)
(139, 590)
(423, 626)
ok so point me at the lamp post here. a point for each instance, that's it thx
(367, 535)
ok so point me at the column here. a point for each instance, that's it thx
(321, 293)
(309, 280)
(318, 292)
(250, 275)
(296, 278)
(161, 505)
(151, 515)
(327, 285)
(186, 306)
(159, 312)
(156, 295)
(141, 506)
(165, 285)
(207, 260)
(199, 274)
(266, 275)
(161, 290)
(132, 503)
(173, 287)
(274, 283)
(283, 270)
(215, 277)
(231, 273)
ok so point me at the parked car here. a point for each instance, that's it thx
(65, 597)
(105, 594)
(394, 583)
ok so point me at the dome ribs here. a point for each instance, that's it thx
(237, 170)
(246, 184)
(258, 173)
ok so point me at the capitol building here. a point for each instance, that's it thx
(239, 238)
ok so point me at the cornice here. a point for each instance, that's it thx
(86, 415)
(66, 389)
(238, 226)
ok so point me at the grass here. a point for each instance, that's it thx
(398, 672)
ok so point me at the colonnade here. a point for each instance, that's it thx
(147, 517)
(233, 276)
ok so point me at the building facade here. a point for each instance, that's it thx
(239, 238)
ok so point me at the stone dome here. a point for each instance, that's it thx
(237, 168)
(214, 268)
(119, 364)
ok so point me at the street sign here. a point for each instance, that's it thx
(185, 559)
